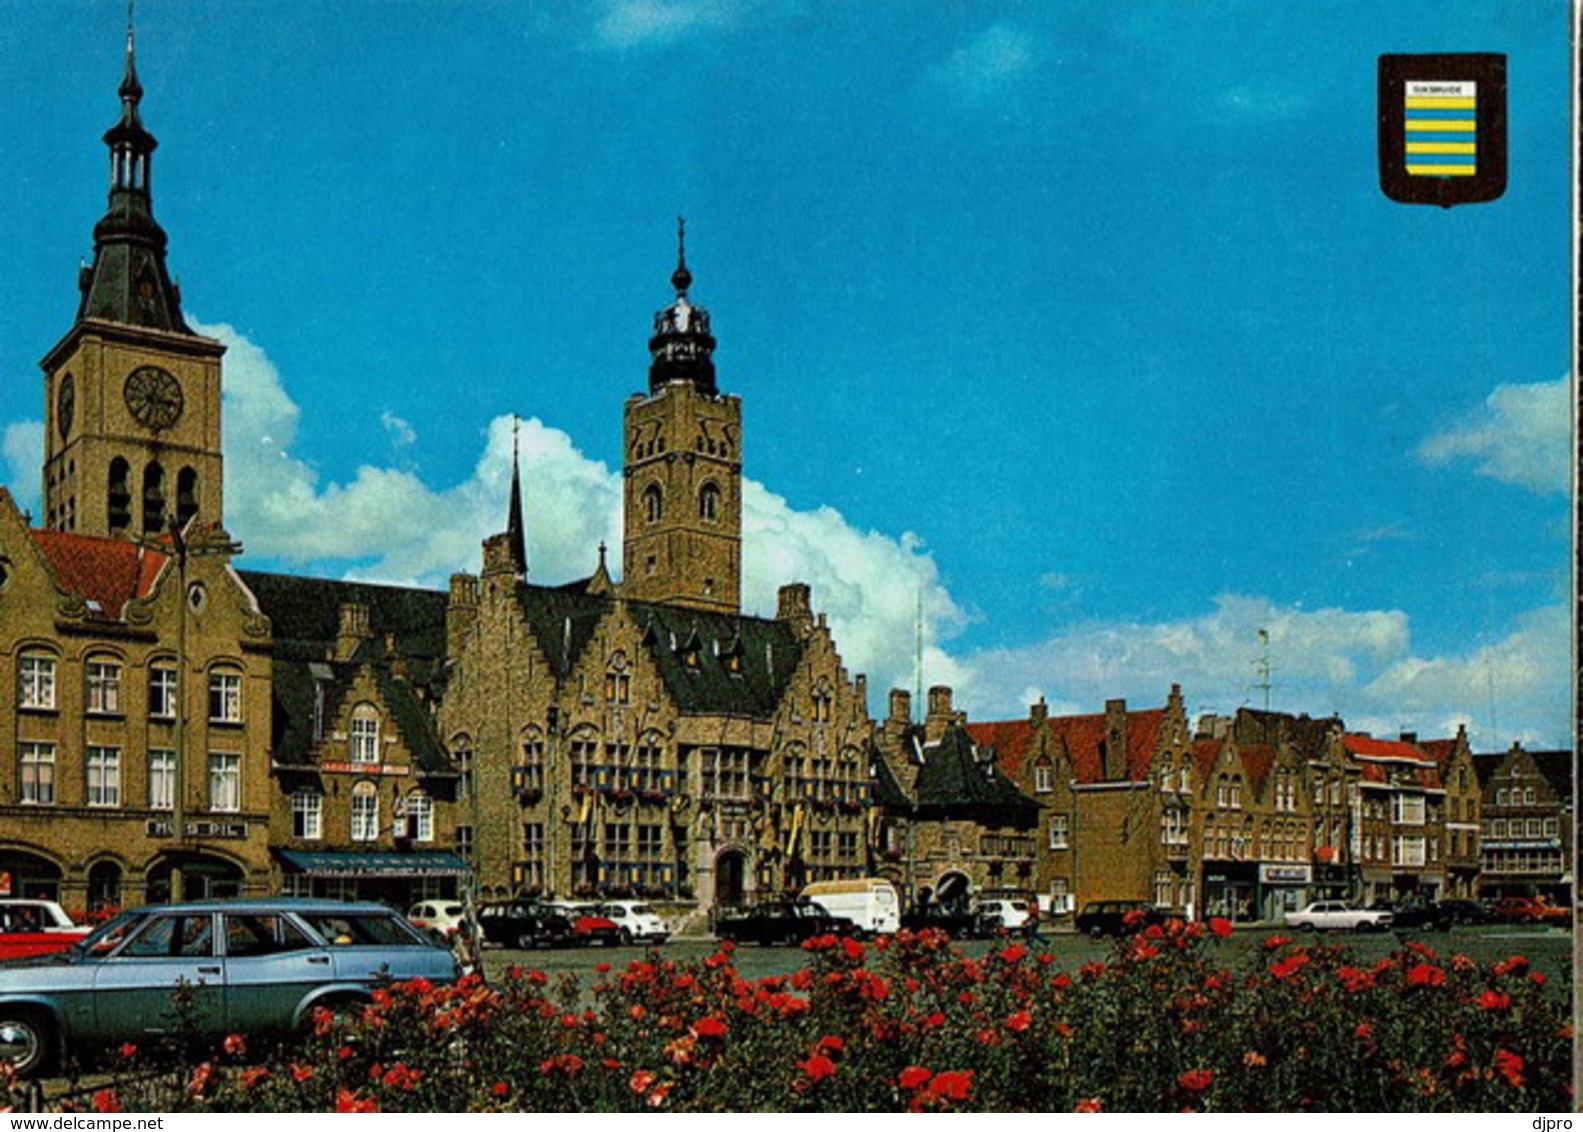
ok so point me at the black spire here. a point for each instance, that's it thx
(682, 348)
(514, 529)
(128, 281)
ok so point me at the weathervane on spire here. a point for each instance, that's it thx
(683, 278)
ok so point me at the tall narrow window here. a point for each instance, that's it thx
(162, 691)
(365, 734)
(186, 495)
(307, 814)
(119, 495)
(104, 776)
(225, 782)
(153, 498)
(162, 780)
(709, 503)
(36, 681)
(653, 503)
(420, 816)
(104, 687)
(365, 812)
(225, 697)
(36, 774)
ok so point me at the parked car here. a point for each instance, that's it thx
(250, 966)
(1451, 913)
(1338, 915)
(35, 927)
(870, 903)
(953, 922)
(1116, 917)
(1529, 910)
(779, 921)
(590, 928)
(524, 924)
(1007, 915)
(1411, 915)
(636, 921)
(439, 918)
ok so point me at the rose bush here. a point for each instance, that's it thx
(908, 1023)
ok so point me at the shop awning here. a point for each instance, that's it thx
(318, 864)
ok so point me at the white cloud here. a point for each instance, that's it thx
(990, 62)
(402, 434)
(1358, 664)
(642, 23)
(396, 528)
(23, 448)
(1521, 435)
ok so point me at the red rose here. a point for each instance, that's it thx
(953, 1085)
(1220, 926)
(817, 1067)
(1019, 1021)
(1196, 1080)
(1509, 1066)
(913, 1076)
(709, 1027)
(1425, 975)
(1493, 1000)
(641, 1080)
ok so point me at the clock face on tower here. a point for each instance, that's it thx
(65, 405)
(154, 396)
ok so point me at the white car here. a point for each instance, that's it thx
(637, 922)
(1012, 915)
(1338, 915)
(440, 918)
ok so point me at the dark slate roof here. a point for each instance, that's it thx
(886, 792)
(769, 651)
(1556, 766)
(1306, 734)
(305, 614)
(953, 782)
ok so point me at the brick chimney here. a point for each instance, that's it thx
(353, 629)
(1115, 740)
(461, 612)
(794, 603)
(1039, 712)
(940, 716)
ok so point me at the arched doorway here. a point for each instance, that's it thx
(202, 878)
(730, 877)
(29, 875)
(104, 887)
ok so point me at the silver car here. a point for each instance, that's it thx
(249, 966)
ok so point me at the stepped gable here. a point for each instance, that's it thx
(105, 572)
(1257, 759)
(1205, 751)
(563, 619)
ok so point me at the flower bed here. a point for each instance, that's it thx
(909, 1023)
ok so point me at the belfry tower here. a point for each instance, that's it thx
(131, 394)
(683, 473)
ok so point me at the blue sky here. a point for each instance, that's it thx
(1088, 323)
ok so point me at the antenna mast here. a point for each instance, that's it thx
(917, 667)
(1262, 667)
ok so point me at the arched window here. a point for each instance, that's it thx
(709, 503)
(186, 495)
(119, 495)
(153, 498)
(365, 812)
(363, 744)
(653, 503)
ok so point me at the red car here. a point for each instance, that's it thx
(1529, 910)
(35, 927)
(589, 928)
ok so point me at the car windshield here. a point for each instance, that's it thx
(108, 936)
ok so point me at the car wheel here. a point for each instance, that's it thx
(527, 941)
(1095, 931)
(626, 938)
(26, 1042)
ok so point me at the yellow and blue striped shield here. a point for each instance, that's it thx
(1441, 127)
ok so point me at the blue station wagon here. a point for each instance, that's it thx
(249, 965)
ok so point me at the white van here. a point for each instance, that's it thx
(869, 903)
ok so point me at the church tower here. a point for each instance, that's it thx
(683, 505)
(131, 394)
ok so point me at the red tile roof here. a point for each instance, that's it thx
(1440, 750)
(1368, 747)
(1257, 758)
(1082, 737)
(107, 571)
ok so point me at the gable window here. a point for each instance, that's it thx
(36, 681)
(225, 696)
(618, 681)
(36, 774)
(365, 812)
(104, 776)
(104, 687)
(1059, 830)
(1043, 777)
(364, 741)
(162, 780)
(162, 691)
(307, 815)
